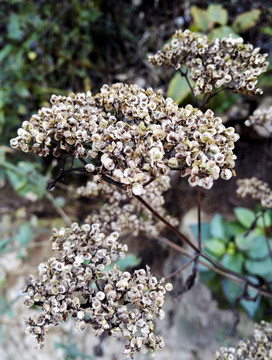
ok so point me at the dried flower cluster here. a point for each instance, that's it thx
(261, 120)
(80, 283)
(226, 62)
(257, 189)
(259, 347)
(132, 135)
(125, 214)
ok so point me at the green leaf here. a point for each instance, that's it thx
(258, 248)
(246, 20)
(24, 236)
(129, 261)
(218, 230)
(221, 32)
(245, 216)
(266, 219)
(233, 228)
(217, 15)
(2, 98)
(249, 305)
(244, 241)
(17, 181)
(14, 31)
(200, 18)
(205, 231)
(231, 290)
(233, 262)
(215, 246)
(5, 52)
(266, 30)
(178, 88)
(261, 268)
(205, 20)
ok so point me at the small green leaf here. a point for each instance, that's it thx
(234, 228)
(231, 290)
(265, 219)
(221, 32)
(217, 15)
(218, 230)
(129, 261)
(5, 52)
(258, 248)
(215, 246)
(205, 231)
(200, 18)
(14, 31)
(244, 241)
(266, 30)
(17, 181)
(233, 262)
(178, 88)
(245, 216)
(249, 305)
(246, 20)
(24, 236)
(261, 268)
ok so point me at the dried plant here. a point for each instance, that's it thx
(130, 138)
(127, 215)
(257, 189)
(79, 282)
(220, 63)
(257, 347)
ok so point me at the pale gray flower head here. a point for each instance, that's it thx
(132, 135)
(218, 63)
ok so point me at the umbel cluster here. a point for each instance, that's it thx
(134, 138)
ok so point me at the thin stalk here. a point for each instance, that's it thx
(199, 216)
(184, 238)
(221, 269)
(185, 75)
(162, 219)
(209, 266)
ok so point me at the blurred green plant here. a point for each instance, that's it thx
(242, 245)
(70, 350)
(214, 22)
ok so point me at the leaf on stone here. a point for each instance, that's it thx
(246, 20)
(178, 88)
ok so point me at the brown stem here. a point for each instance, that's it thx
(185, 75)
(215, 269)
(199, 252)
(162, 219)
(199, 216)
